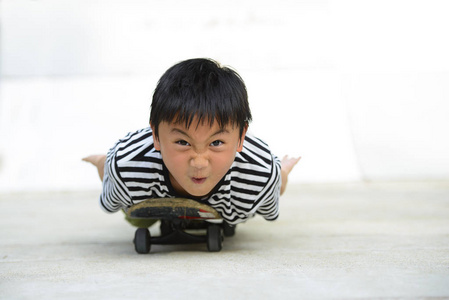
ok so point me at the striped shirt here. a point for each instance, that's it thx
(134, 171)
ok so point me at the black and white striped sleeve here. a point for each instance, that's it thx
(269, 207)
(252, 185)
(268, 169)
(115, 193)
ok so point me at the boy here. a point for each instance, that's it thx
(196, 147)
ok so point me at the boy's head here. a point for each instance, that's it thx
(199, 117)
(203, 89)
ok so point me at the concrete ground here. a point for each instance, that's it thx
(361, 241)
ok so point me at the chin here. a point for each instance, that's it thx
(198, 193)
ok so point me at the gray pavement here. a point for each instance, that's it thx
(353, 241)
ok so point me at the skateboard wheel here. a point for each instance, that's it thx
(214, 238)
(142, 241)
(228, 230)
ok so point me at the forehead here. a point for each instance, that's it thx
(199, 131)
(197, 123)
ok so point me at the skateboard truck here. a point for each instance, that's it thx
(178, 215)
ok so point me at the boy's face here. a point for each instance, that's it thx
(197, 157)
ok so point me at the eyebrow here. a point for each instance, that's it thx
(177, 130)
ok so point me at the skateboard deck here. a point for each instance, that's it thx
(172, 208)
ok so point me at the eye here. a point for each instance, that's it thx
(182, 143)
(216, 143)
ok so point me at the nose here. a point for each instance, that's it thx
(199, 161)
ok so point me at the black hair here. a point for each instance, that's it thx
(200, 88)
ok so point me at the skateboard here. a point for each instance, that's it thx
(177, 216)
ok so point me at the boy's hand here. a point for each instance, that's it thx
(98, 161)
(95, 159)
(287, 164)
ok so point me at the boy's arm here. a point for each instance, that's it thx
(115, 194)
(269, 208)
(287, 165)
(98, 161)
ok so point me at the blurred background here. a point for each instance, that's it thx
(359, 89)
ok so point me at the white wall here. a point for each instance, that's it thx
(358, 88)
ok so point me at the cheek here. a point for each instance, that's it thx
(224, 162)
(173, 159)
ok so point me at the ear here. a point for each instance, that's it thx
(242, 138)
(156, 142)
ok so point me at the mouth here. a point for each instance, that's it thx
(198, 180)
